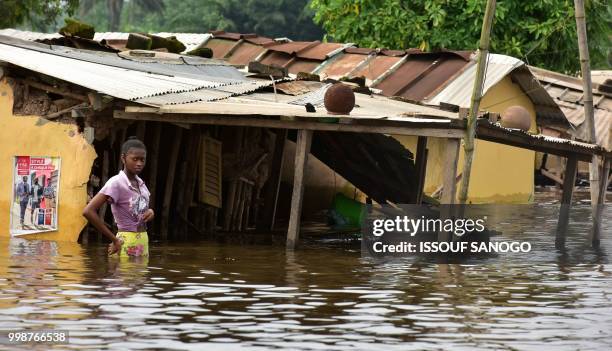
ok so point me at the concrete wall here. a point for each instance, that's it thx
(32, 135)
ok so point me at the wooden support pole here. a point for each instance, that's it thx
(449, 180)
(569, 180)
(599, 206)
(172, 163)
(449, 183)
(141, 128)
(232, 189)
(421, 167)
(470, 133)
(589, 115)
(105, 167)
(153, 159)
(304, 140)
(192, 170)
(273, 186)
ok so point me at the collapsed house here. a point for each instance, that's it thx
(568, 93)
(217, 136)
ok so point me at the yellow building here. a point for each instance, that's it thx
(35, 136)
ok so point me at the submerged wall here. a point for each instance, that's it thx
(35, 136)
(500, 173)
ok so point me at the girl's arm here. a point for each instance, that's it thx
(91, 213)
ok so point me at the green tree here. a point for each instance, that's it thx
(34, 14)
(274, 18)
(115, 10)
(542, 32)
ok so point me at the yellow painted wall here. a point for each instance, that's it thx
(32, 135)
(500, 173)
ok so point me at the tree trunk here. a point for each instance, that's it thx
(114, 14)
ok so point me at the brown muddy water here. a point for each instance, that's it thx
(325, 296)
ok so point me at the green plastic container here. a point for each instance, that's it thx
(353, 211)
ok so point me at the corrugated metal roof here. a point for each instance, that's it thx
(25, 35)
(130, 80)
(190, 40)
(568, 94)
(459, 91)
(429, 77)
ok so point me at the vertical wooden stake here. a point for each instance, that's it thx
(599, 206)
(449, 180)
(421, 167)
(449, 183)
(589, 115)
(140, 130)
(174, 153)
(273, 186)
(153, 159)
(566, 201)
(483, 53)
(304, 140)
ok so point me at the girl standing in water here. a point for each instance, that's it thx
(129, 199)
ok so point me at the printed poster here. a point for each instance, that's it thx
(35, 188)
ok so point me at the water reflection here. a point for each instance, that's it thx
(210, 296)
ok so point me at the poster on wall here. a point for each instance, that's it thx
(35, 190)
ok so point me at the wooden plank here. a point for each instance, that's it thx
(599, 206)
(449, 184)
(526, 142)
(167, 200)
(153, 159)
(304, 140)
(421, 167)
(141, 128)
(551, 176)
(192, 171)
(382, 127)
(273, 186)
(566, 201)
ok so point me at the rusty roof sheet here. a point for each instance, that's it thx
(245, 52)
(317, 52)
(220, 47)
(293, 47)
(567, 93)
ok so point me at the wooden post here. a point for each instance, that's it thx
(599, 206)
(449, 183)
(304, 139)
(174, 152)
(587, 99)
(141, 128)
(272, 189)
(421, 167)
(105, 166)
(192, 170)
(483, 53)
(449, 180)
(153, 159)
(566, 200)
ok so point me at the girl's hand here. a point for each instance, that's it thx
(114, 247)
(148, 216)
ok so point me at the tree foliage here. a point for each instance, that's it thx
(274, 18)
(542, 32)
(35, 14)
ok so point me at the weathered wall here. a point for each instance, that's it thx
(32, 135)
(500, 173)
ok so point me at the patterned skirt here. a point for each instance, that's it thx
(134, 244)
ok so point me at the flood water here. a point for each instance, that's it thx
(325, 296)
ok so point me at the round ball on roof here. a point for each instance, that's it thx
(516, 117)
(339, 99)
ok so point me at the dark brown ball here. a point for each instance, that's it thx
(339, 99)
